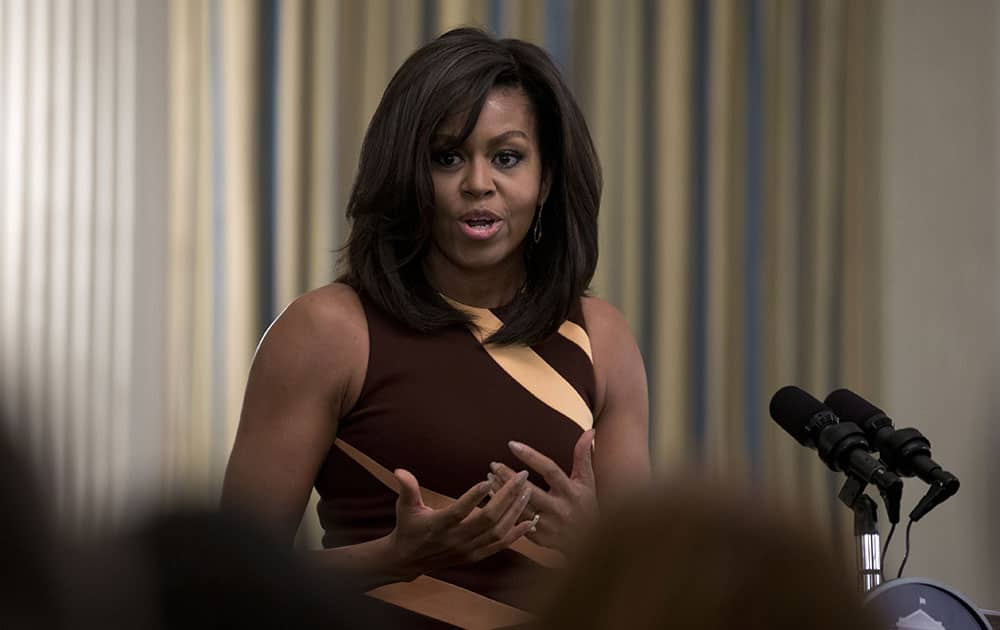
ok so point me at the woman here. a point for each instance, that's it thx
(457, 349)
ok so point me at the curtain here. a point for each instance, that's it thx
(739, 226)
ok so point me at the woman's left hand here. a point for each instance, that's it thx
(570, 506)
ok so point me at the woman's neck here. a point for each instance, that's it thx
(489, 288)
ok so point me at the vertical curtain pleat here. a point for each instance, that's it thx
(783, 125)
(182, 153)
(124, 278)
(719, 232)
(15, 136)
(604, 65)
(103, 290)
(58, 411)
(322, 207)
(239, 328)
(860, 287)
(631, 139)
(670, 392)
(820, 229)
(37, 219)
(290, 157)
(82, 385)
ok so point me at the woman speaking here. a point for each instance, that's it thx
(443, 396)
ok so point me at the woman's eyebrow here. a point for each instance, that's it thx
(447, 140)
(507, 135)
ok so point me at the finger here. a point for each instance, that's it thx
(496, 482)
(544, 466)
(465, 504)
(503, 498)
(509, 519)
(515, 532)
(583, 459)
(409, 489)
(499, 474)
(541, 501)
(541, 537)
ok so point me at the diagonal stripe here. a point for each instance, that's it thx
(450, 603)
(542, 555)
(575, 333)
(530, 370)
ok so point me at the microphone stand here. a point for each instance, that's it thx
(869, 557)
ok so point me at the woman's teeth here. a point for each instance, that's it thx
(480, 223)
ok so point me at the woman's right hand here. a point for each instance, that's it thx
(426, 539)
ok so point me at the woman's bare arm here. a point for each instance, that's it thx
(308, 370)
(307, 373)
(621, 451)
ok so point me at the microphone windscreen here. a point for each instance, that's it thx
(792, 408)
(850, 407)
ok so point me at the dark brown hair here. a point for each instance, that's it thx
(693, 555)
(392, 203)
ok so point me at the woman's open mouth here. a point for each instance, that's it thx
(480, 225)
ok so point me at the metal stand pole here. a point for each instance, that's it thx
(869, 550)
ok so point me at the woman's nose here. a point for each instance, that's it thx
(478, 180)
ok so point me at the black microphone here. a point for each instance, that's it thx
(906, 451)
(841, 445)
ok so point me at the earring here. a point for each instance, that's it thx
(538, 224)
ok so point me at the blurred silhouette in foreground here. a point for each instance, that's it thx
(705, 557)
(192, 568)
(183, 568)
(27, 581)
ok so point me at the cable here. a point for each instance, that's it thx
(906, 554)
(885, 549)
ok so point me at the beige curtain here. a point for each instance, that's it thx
(737, 226)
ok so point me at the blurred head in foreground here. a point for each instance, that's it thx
(678, 557)
(27, 588)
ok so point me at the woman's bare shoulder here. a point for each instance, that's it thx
(322, 332)
(334, 309)
(603, 320)
(617, 361)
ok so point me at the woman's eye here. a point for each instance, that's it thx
(507, 159)
(446, 158)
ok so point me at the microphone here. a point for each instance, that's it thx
(906, 451)
(841, 445)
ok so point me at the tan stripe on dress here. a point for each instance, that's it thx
(575, 333)
(451, 604)
(530, 370)
(542, 555)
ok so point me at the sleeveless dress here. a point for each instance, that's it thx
(443, 406)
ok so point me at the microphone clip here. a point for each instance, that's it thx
(852, 494)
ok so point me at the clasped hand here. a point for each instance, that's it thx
(560, 515)
(426, 539)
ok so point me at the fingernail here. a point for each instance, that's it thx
(494, 466)
(490, 477)
(515, 446)
(521, 476)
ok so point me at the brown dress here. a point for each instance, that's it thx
(444, 406)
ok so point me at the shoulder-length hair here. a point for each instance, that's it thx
(391, 206)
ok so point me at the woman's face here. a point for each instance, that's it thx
(486, 190)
